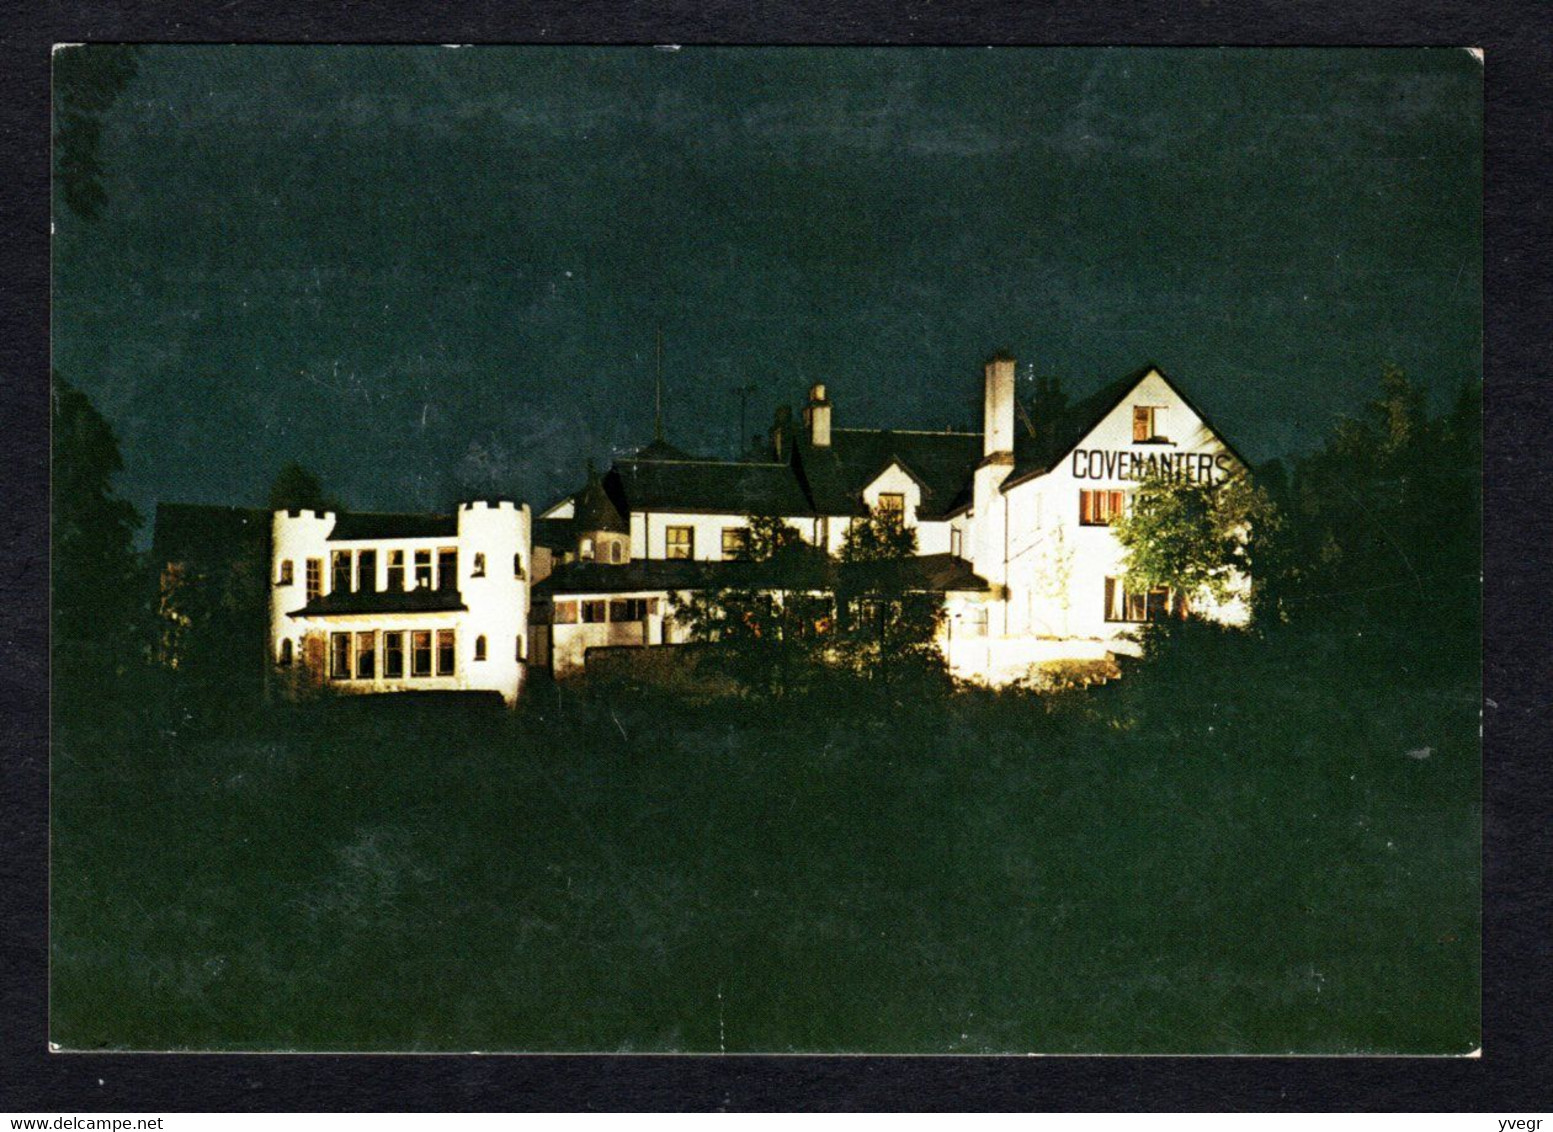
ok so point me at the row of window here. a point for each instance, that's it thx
(1156, 604)
(680, 542)
(418, 652)
(350, 572)
(600, 611)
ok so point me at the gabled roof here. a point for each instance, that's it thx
(940, 462)
(714, 486)
(1036, 455)
(423, 600)
(351, 526)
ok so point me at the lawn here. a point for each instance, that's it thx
(1275, 849)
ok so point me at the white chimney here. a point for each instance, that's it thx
(998, 409)
(817, 416)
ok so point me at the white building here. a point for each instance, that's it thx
(397, 603)
(1012, 523)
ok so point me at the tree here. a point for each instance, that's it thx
(88, 79)
(295, 488)
(887, 624)
(767, 629)
(1198, 539)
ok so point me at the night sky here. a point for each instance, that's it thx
(420, 271)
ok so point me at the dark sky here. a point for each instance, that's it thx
(420, 269)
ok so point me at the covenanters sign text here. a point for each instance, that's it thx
(1188, 467)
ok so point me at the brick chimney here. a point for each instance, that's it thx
(816, 416)
(998, 410)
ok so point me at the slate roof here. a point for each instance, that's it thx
(201, 534)
(935, 573)
(714, 486)
(940, 462)
(350, 526)
(424, 600)
(557, 534)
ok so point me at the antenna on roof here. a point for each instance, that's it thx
(657, 417)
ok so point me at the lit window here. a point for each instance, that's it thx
(1100, 508)
(956, 541)
(479, 648)
(565, 613)
(680, 542)
(393, 655)
(1146, 422)
(447, 568)
(285, 578)
(340, 572)
(420, 652)
(315, 578)
(366, 655)
(585, 550)
(366, 570)
(340, 656)
(395, 571)
(423, 569)
(479, 567)
(736, 542)
(445, 652)
(595, 612)
(1122, 604)
(892, 505)
(285, 653)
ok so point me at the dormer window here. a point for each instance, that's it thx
(1147, 421)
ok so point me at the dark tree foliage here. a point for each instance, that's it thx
(88, 79)
(296, 488)
(887, 627)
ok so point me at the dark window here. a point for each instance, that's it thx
(680, 542)
(565, 613)
(285, 652)
(1100, 508)
(366, 570)
(420, 652)
(447, 569)
(595, 612)
(393, 655)
(479, 567)
(340, 656)
(285, 578)
(366, 655)
(479, 648)
(395, 570)
(315, 578)
(340, 572)
(517, 565)
(615, 551)
(892, 505)
(423, 569)
(518, 653)
(628, 609)
(1146, 420)
(736, 542)
(444, 652)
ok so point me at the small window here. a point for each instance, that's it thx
(423, 569)
(517, 565)
(892, 505)
(517, 653)
(479, 567)
(585, 550)
(393, 655)
(736, 543)
(479, 648)
(315, 579)
(680, 542)
(285, 577)
(340, 656)
(340, 572)
(420, 652)
(565, 613)
(447, 569)
(395, 571)
(616, 551)
(445, 645)
(956, 542)
(1146, 422)
(366, 656)
(366, 571)
(285, 653)
(595, 612)
(1100, 508)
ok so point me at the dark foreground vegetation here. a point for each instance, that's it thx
(1254, 842)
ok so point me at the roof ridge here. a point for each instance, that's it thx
(913, 431)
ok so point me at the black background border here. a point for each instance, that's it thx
(1518, 848)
